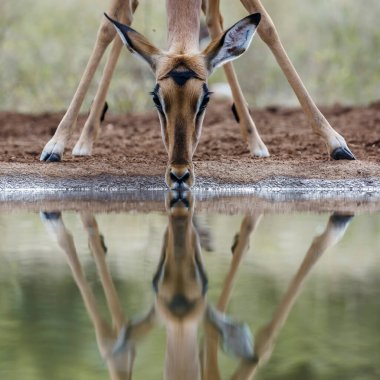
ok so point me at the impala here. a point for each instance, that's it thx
(181, 71)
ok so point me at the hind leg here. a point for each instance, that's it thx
(247, 125)
(90, 131)
(53, 150)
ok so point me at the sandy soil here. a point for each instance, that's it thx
(131, 145)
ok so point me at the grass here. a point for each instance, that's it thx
(45, 45)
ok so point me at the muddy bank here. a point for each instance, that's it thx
(131, 146)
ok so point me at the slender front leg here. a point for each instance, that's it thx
(247, 126)
(336, 145)
(90, 131)
(54, 149)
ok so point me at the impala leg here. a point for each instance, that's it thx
(239, 248)
(247, 126)
(336, 145)
(54, 149)
(55, 225)
(90, 131)
(119, 366)
(98, 249)
(266, 336)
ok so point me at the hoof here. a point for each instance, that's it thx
(261, 151)
(53, 215)
(342, 154)
(81, 150)
(341, 220)
(50, 157)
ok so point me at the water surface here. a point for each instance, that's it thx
(299, 296)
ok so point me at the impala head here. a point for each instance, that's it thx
(181, 93)
(180, 282)
(180, 285)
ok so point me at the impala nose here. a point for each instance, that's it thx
(179, 178)
(180, 305)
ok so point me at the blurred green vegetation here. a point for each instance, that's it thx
(44, 47)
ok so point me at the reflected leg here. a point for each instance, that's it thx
(266, 336)
(239, 248)
(119, 366)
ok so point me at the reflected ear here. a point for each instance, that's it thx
(233, 43)
(137, 43)
(236, 338)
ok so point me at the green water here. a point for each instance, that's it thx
(331, 332)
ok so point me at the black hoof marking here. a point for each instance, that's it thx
(235, 113)
(54, 157)
(102, 242)
(235, 243)
(44, 156)
(105, 109)
(342, 154)
(52, 215)
(340, 220)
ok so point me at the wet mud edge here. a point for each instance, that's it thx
(105, 186)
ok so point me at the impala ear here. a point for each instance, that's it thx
(236, 338)
(137, 43)
(233, 43)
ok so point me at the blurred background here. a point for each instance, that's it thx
(45, 45)
(332, 332)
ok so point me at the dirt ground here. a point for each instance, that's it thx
(131, 145)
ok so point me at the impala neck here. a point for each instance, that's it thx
(182, 355)
(183, 25)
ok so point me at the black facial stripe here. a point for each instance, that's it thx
(155, 90)
(204, 102)
(181, 77)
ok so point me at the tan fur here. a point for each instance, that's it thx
(183, 49)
